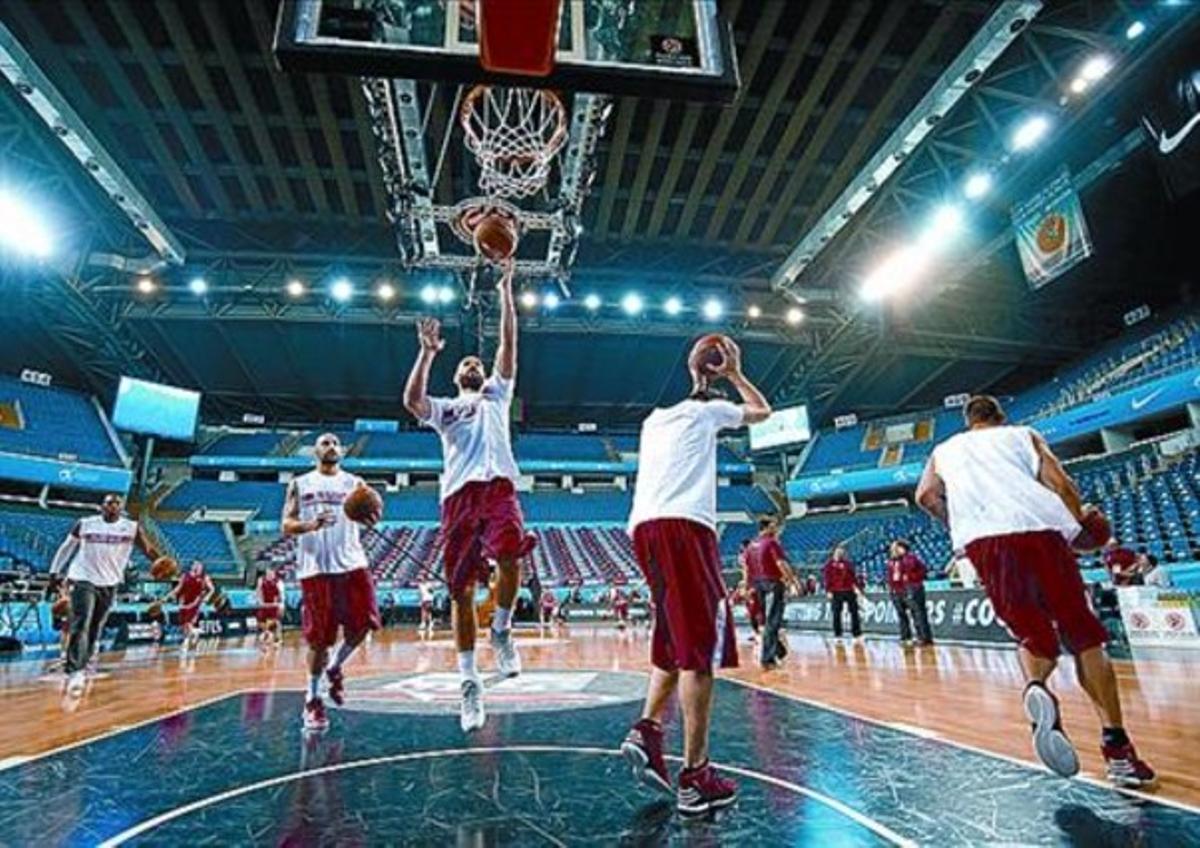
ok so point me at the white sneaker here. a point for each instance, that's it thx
(76, 682)
(473, 715)
(508, 661)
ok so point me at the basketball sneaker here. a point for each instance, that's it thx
(701, 789)
(337, 685)
(76, 682)
(1125, 768)
(643, 750)
(315, 720)
(472, 716)
(508, 661)
(1050, 743)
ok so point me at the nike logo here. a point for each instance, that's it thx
(1168, 143)
(1138, 403)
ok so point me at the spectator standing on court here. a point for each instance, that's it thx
(906, 584)
(842, 589)
(768, 574)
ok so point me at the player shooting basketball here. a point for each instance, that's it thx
(481, 517)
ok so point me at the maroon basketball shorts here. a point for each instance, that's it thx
(188, 613)
(328, 601)
(1034, 583)
(267, 612)
(481, 521)
(693, 622)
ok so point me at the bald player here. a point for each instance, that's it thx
(1011, 506)
(481, 517)
(336, 589)
(673, 524)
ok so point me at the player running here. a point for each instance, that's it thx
(269, 592)
(191, 592)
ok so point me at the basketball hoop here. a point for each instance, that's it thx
(515, 134)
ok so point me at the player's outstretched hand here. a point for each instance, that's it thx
(731, 362)
(429, 333)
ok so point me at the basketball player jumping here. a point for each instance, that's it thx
(97, 550)
(1011, 506)
(673, 523)
(336, 589)
(481, 517)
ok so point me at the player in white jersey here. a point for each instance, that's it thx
(97, 550)
(1013, 509)
(673, 524)
(336, 589)
(481, 517)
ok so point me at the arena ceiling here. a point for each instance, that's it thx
(264, 177)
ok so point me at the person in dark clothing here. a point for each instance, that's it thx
(842, 589)
(768, 574)
(906, 582)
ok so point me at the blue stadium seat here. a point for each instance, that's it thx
(204, 540)
(59, 423)
(267, 498)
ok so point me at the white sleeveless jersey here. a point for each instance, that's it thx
(104, 548)
(992, 487)
(335, 549)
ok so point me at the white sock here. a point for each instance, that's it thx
(466, 665)
(341, 655)
(501, 619)
(314, 686)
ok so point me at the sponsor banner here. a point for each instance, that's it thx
(1159, 616)
(1051, 231)
(65, 473)
(1124, 407)
(861, 480)
(965, 614)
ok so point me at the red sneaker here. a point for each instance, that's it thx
(643, 750)
(701, 789)
(1126, 769)
(337, 685)
(315, 720)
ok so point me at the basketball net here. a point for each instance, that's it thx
(514, 134)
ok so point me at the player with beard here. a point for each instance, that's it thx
(481, 517)
(336, 589)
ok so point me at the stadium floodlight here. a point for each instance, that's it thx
(713, 309)
(429, 294)
(529, 299)
(1079, 85)
(295, 288)
(896, 273)
(198, 286)
(977, 185)
(385, 292)
(146, 285)
(550, 300)
(754, 311)
(1096, 68)
(794, 315)
(1030, 132)
(946, 223)
(445, 295)
(22, 230)
(673, 306)
(632, 303)
(592, 302)
(341, 290)
(1135, 30)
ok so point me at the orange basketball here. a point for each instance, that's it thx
(363, 505)
(495, 237)
(61, 607)
(164, 568)
(708, 354)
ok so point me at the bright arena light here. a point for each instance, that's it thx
(21, 230)
(632, 303)
(198, 286)
(550, 300)
(445, 295)
(754, 311)
(528, 299)
(896, 273)
(1030, 132)
(673, 306)
(977, 185)
(1096, 68)
(946, 222)
(145, 285)
(295, 288)
(1079, 85)
(794, 315)
(429, 294)
(385, 292)
(713, 309)
(341, 290)
(1135, 30)
(592, 302)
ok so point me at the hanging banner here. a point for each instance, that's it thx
(1050, 231)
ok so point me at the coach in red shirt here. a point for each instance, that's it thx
(767, 572)
(842, 589)
(906, 582)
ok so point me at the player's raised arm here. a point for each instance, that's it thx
(506, 351)
(416, 395)
(755, 405)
